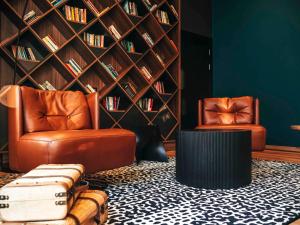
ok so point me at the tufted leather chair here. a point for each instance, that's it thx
(63, 127)
(232, 113)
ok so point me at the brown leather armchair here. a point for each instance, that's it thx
(63, 127)
(232, 113)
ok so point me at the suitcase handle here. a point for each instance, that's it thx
(83, 185)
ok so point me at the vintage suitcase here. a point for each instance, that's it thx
(44, 193)
(90, 208)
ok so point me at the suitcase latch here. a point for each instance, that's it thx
(4, 197)
(60, 202)
(61, 194)
(3, 206)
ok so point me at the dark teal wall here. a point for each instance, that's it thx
(256, 51)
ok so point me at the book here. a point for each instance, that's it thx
(159, 59)
(159, 87)
(50, 43)
(162, 16)
(48, 86)
(148, 39)
(174, 10)
(114, 32)
(94, 40)
(146, 104)
(72, 70)
(109, 69)
(111, 103)
(92, 7)
(75, 65)
(75, 14)
(23, 53)
(146, 72)
(173, 45)
(29, 16)
(90, 88)
(128, 45)
(130, 8)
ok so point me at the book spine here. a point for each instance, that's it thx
(72, 70)
(75, 65)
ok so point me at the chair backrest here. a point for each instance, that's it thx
(226, 111)
(54, 110)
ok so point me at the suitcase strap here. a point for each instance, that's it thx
(49, 176)
(99, 209)
(61, 168)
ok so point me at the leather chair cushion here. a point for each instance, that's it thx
(258, 133)
(97, 150)
(228, 110)
(54, 110)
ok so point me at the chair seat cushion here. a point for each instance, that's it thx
(97, 150)
(258, 133)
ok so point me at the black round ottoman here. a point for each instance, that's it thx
(213, 158)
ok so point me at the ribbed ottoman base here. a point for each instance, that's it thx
(214, 158)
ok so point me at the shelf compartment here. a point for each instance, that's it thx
(39, 7)
(151, 27)
(133, 115)
(165, 51)
(151, 4)
(133, 83)
(151, 63)
(174, 38)
(118, 60)
(28, 82)
(173, 134)
(94, 77)
(9, 70)
(172, 19)
(99, 8)
(77, 51)
(173, 70)
(174, 7)
(53, 72)
(77, 26)
(122, 104)
(169, 87)
(97, 29)
(165, 121)
(139, 43)
(116, 17)
(9, 23)
(173, 104)
(77, 86)
(156, 103)
(106, 120)
(54, 27)
(141, 10)
(28, 40)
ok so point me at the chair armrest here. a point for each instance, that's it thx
(92, 100)
(257, 117)
(200, 116)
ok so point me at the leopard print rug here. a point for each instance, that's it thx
(149, 194)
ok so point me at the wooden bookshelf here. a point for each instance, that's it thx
(161, 58)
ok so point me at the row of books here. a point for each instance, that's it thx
(56, 2)
(28, 17)
(146, 72)
(74, 67)
(162, 16)
(146, 104)
(50, 43)
(128, 45)
(111, 103)
(114, 32)
(23, 53)
(94, 39)
(148, 39)
(75, 14)
(47, 86)
(130, 88)
(130, 8)
(149, 5)
(110, 70)
(159, 87)
(94, 9)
